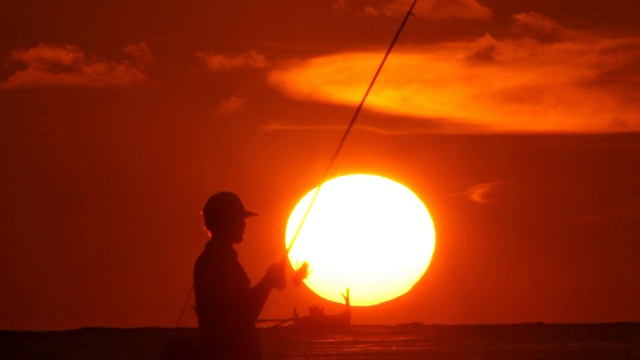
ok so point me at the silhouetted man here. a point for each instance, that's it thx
(226, 304)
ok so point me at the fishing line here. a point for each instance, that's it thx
(349, 127)
(184, 307)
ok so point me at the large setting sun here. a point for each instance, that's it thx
(363, 232)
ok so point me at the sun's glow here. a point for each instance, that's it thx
(363, 232)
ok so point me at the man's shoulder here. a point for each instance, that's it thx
(216, 249)
(214, 253)
(218, 265)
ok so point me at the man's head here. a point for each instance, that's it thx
(224, 215)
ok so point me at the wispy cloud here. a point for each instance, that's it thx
(372, 125)
(610, 215)
(367, 128)
(67, 65)
(339, 4)
(230, 106)
(291, 127)
(225, 62)
(467, 9)
(541, 78)
(537, 26)
(482, 193)
(140, 53)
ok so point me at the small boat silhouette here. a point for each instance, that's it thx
(317, 319)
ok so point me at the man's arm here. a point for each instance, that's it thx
(274, 278)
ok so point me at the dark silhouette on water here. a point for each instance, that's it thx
(226, 304)
(318, 320)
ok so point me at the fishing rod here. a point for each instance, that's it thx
(184, 306)
(348, 129)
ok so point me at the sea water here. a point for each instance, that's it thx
(407, 341)
(418, 341)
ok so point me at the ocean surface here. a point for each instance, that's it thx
(406, 341)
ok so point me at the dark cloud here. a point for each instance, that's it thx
(577, 12)
(67, 65)
(224, 62)
(230, 106)
(538, 27)
(484, 51)
(439, 9)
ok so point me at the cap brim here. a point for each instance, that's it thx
(248, 213)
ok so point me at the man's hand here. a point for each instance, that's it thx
(276, 275)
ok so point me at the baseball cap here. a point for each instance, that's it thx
(225, 204)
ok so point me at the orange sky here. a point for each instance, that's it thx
(515, 122)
